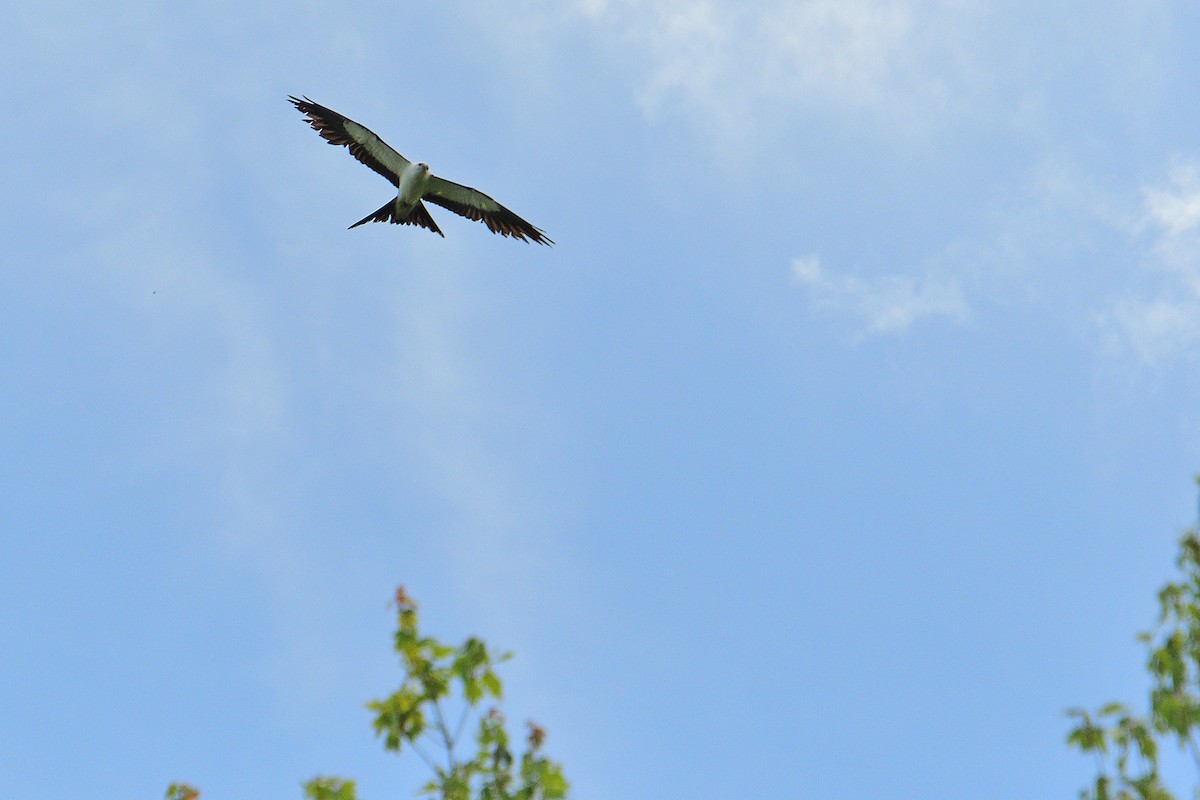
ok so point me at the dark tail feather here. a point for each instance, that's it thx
(418, 215)
(384, 214)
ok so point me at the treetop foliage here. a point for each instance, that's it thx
(443, 683)
(1125, 744)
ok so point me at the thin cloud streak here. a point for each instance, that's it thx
(229, 425)
(735, 66)
(1164, 324)
(888, 305)
(457, 422)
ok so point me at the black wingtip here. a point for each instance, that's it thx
(303, 104)
(530, 235)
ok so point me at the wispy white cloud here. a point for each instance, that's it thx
(847, 49)
(885, 305)
(735, 63)
(1175, 209)
(1164, 321)
(1155, 329)
(229, 427)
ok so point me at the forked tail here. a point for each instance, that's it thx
(417, 215)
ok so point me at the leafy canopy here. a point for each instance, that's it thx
(1126, 745)
(440, 683)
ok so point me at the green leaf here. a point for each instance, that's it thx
(435, 682)
(321, 788)
(554, 783)
(181, 791)
(491, 682)
(398, 718)
(472, 690)
(1087, 736)
(455, 788)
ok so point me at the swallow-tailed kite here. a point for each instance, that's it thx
(414, 182)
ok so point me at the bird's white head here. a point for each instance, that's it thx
(424, 167)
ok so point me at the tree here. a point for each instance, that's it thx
(443, 683)
(1125, 744)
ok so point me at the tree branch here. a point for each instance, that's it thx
(446, 737)
(421, 753)
(462, 721)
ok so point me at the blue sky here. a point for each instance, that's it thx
(837, 447)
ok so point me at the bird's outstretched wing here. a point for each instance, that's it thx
(474, 204)
(361, 142)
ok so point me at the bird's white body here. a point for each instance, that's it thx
(413, 181)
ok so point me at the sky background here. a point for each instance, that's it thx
(838, 446)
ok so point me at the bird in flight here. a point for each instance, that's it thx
(414, 182)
